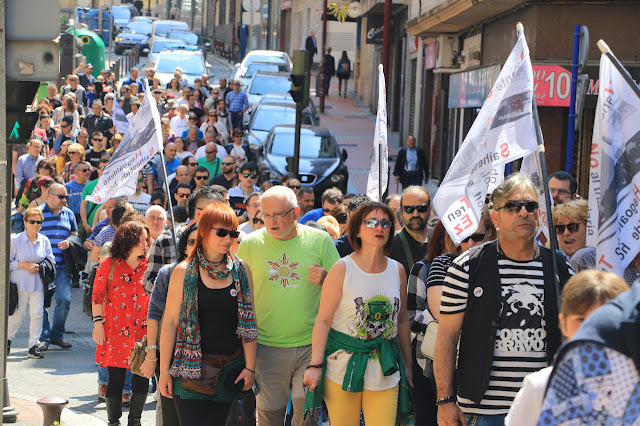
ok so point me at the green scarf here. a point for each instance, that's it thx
(390, 361)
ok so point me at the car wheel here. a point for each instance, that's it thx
(119, 50)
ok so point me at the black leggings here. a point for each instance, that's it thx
(197, 412)
(115, 384)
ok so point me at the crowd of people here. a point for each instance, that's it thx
(248, 295)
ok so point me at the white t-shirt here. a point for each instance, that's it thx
(184, 154)
(179, 124)
(140, 202)
(200, 152)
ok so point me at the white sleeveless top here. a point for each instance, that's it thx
(368, 309)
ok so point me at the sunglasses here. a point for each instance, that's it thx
(572, 227)
(45, 167)
(60, 196)
(253, 175)
(213, 115)
(221, 232)
(193, 164)
(294, 186)
(421, 209)
(182, 195)
(96, 139)
(257, 220)
(201, 177)
(477, 238)
(101, 168)
(513, 206)
(228, 164)
(373, 223)
(86, 170)
(323, 209)
(64, 126)
(39, 222)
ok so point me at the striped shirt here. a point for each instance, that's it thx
(57, 228)
(520, 346)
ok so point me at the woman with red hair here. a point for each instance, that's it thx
(209, 321)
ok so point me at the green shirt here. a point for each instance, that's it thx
(212, 166)
(286, 303)
(91, 207)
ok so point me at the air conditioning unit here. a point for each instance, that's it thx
(447, 51)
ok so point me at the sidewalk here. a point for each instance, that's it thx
(31, 414)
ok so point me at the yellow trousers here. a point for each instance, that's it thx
(379, 407)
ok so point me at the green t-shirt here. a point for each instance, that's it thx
(212, 166)
(286, 303)
(91, 207)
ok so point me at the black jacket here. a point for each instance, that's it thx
(75, 257)
(329, 65)
(401, 162)
(310, 47)
(47, 271)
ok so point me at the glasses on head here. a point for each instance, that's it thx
(513, 206)
(277, 216)
(191, 242)
(257, 220)
(477, 238)
(253, 175)
(295, 187)
(423, 208)
(182, 195)
(37, 222)
(228, 164)
(572, 227)
(373, 223)
(221, 232)
(201, 177)
(60, 196)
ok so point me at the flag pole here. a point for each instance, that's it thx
(166, 185)
(380, 170)
(621, 69)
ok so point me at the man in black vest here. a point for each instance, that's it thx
(499, 300)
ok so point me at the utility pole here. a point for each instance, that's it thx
(386, 40)
(324, 45)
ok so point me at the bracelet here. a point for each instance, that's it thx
(97, 318)
(321, 365)
(445, 400)
(150, 347)
(151, 359)
(247, 368)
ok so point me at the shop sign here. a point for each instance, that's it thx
(470, 89)
(552, 85)
(375, 27)
(430, 55)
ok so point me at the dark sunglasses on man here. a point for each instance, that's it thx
(513, 206)
(421, 208)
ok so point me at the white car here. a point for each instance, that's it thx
(162, 44)
(270, 56)
(190, 60)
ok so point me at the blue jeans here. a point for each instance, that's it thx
(103, 378)
(478, 420)
(61, 311)
(236, 119)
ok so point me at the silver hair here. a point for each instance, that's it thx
(158, 209)
(282, 192)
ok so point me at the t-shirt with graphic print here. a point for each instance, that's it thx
(520, 346)
(285, 302)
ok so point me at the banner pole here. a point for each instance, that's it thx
(380, 170)
(166, 185)
(623, 71)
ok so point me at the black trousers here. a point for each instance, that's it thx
(413, 177)
(196, 412)
(115, 384)
(424, 398)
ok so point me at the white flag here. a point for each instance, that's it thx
(120, 120)
(379, 137)
(614, 185)
(503, 132)
(142, 141)
(531, 167)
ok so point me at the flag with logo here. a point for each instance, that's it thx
(503, 132)
(613, 226)
(530, 166)
(139, 144)
(374, 186)
(120, 120)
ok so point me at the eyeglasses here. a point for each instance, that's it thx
(201, 177)
(60, 196)
(257, 220)
(213, 115)
(39, 222)
(572, 227)
(421, 208)
(373, 223)
(477, 238)
(513, 206)
(253, 175)
(182, 195)
(228, 164)
(73, 152)
(139, 179)
(276, 216)
(221, 232)
(191, 241)
(559, 191)
(211, 152)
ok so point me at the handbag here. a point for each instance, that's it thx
(137, 355)
(87, 294)
(13, 297)
(428, 345)
(210, 373)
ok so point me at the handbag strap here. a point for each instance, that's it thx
(109, 279)
(407, 250)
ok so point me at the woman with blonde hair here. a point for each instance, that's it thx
(570, 223)
(167, 133)
(62, 157)
(77, 154)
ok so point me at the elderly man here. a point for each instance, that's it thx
(193, 138)
(499, 303)
(59, 224)
(26, 165)
(180, 176)
(303, 256)
(415, 204)
(179, 123)
(156, 219)
(211, 160)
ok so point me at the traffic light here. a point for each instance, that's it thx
(300, 79)
(20, 125)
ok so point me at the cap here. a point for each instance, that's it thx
(159, 91)
(89, 65)
(170, 96)
(42, 180)
(105, 71)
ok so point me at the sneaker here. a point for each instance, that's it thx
(34, 352)
(102, 391)
(44, 346)
(125, 399)
(62, 343)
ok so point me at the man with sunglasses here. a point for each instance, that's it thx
(228, 175)
(331, 198)
(238, 195)
(59, 223)
(288, 264)
(66, 134)
(410, 244)
(295, 185)
(200, 178)
(210, 160)
(499, 301)
(81, 170)
(182, 194)
(97, 150)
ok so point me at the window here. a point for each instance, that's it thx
(222, 12)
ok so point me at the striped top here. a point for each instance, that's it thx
(57, 228)
(520, 335)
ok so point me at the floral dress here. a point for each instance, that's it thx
(125, 310)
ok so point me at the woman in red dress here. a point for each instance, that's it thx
(120, 317)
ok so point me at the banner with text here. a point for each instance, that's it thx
(142, 141)
(120, 120)
(614, 185)
(503, 132)
(379, 137)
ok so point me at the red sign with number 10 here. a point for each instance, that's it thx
(552, 85)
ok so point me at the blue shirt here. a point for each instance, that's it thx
(171, 168)
(412, 159)
(57, 228)
(22, 250)
(26, 167)
(139, 82)
(237, 101)
(74, 189)
(313, 215)
(105, 236)
(96, 229)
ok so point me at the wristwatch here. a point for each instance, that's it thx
(445, 400)
(150, 347)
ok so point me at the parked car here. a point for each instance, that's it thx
(161, 27)
(122, 15)
(271, 56)
(260, 66)
(266, 115)
(193, 38)
(189, 59)
(322, 164)
(134, 34)
(149, 19)
(264, 82)
(162, 44)
(286, 98)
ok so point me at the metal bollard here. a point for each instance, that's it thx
(52, 407)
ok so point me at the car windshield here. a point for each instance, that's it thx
(262, 85)
(161, 45)
(138, 27)
(190, 64)
(266, 117)
(121, 13)
(163, 29)
(189, 37)
(267, 58)
(254, 68)
(311, 146)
